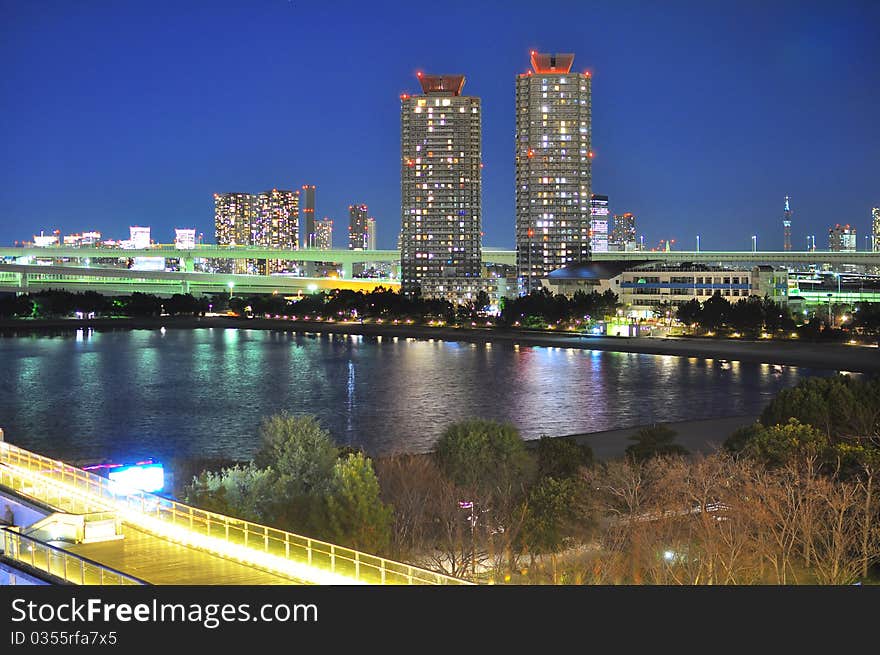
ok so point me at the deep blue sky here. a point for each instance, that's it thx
(705, 114)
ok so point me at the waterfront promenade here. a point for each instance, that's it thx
(827, 356)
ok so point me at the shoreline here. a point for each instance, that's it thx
(826, 356)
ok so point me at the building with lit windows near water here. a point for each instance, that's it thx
(276, 226)
(440, 177)
(233, 220)
(553, 168)
(642, 288)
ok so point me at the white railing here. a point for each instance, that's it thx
(219, 533)
(60, 563)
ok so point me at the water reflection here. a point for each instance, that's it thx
(203, 392)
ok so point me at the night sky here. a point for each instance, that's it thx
(705, 114)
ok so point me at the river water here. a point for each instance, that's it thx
(126, 394)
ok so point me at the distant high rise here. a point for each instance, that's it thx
(276, 226)
(786, 225)
(440, 177)
(357, 227)
(324, 234)
(139, 237)
(185, 239)
(553, 167)
(623, 234)
(842, 238)
(875, 224)
(371, 233)
(234, 215)
(598, 223)
(308, 202)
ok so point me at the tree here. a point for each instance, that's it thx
(689, 313)
(653, 442)
(357, 516)
(747, 315)
(299, 450)
(842, 407)
(481, 454)
(779, 444)
(715, 312)
(562, 457)
(301, 456)
(489, 464)
(244, 492)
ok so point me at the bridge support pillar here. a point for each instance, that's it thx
(188, 264)
(23, 282)
(348, 269)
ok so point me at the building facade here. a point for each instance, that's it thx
(553, 167)
(598, 223)
(324, 234)
(440, 183)
(358, 230)
(308, 210)
(875, 229)
(371, 233)
(842, 238)
(641, 288)
(276, 226)
(623, 234)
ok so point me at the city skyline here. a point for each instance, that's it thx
(718, 113)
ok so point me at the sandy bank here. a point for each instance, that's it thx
(703, 436)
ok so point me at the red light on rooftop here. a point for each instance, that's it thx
(418, 73)
(592, 154)
(588, 73)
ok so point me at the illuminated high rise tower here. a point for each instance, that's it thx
(358, 235)
(598, 223)
(233, 220)
(786, 225)
(324, 234)
(553, 167)
(623, 234)
(875, 229)
(276, 226)
(308, 203)
(440, 180)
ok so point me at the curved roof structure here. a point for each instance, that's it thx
(601, 270)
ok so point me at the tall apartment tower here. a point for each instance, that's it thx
(786, 225)
(277, 226)
(553, 167)
(598, 223)
(440, 177)
(234, 216)
(623, 234)
(357, 227)
(324, 234)
(875, 229)
(371, 233)
(308, 204)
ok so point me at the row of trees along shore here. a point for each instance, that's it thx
(752, 316)
(792, 499)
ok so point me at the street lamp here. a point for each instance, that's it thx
(231, 286)
(698, 243)
(754, 243)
